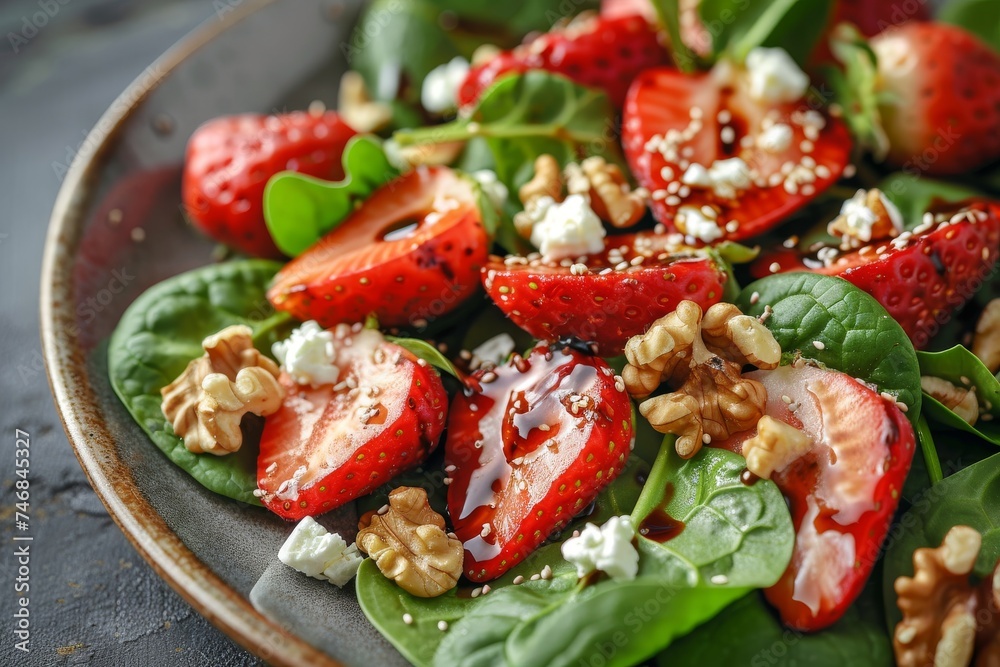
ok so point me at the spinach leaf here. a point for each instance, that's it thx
(523, 116)
(746, 535)
(929, 456)
(980, 17)
(749, 633)
(737, 26)
(300, 209)
(424, 350)
(970, 497)
(959, 365)
(162, 331)
(913, 195)
(517, 16)
(669, 12)
(739, 532)
(857, 336)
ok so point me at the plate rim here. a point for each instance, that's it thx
(85, 427)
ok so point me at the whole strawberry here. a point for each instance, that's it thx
(942, 92)
(230, 159)
(605, 53)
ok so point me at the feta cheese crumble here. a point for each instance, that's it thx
(440, 89)
(495, 350)
(568, 229)
(860, 218)
(697, 223)
(774, 77)
(492, 187)
(726, 178)
(608, 549)
(313, 551)
(776, 138)
(308, 355)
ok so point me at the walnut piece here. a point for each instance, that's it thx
(940, 606)
(961, 401)
(866, 217)
(986, 344)
(702, 359)
(774, 447)
(603, 184)
(357, 108)
(410, 546)
(207, 402)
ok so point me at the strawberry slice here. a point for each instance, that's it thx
(921, 277)
(330, 444)
(607, 298)
(230, 159)
(842, 492)
(411, 253)
(711, 154)
(599, 52)
(529, 450)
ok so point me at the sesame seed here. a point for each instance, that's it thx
(408, 619)
(754, 298)
(965, 380)
(673, 200)
(719, 579)
(621, 266)
(774, 267)
(383, 509)
(443, 625)
(486, 589)
(138, 234)
(536, 577)
(518, 580)
(819, 345)
(546, 572)
(887, 396)
(447, 480)
(728, 135)
(786, 399)
(476, 592)
(485, 531)
(706, 438)
(724, 116)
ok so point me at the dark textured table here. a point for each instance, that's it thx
(93, 600)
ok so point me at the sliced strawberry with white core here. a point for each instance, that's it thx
(842, 493)
(721, 164)
(530, 450)
(330, 444)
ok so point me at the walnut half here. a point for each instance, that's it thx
(207, 402)
(962, 402)
(702, 360)
(945, 618)
(410, 546)
(774, 447)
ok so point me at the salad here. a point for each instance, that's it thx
(654, 333)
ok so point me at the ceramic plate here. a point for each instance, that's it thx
(116, 230)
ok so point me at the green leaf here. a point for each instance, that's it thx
(970, 497)
(725, 255)
(670, 15)
(855, 88)
(963, 369)
(523, 116)
(914, 196)
(424, 350)
(517, 16)
(162, 331)
(300, 209)
(737, 26)
(929, 454)
(857, 336)
(740, 531)
(980, 17)
(749, 633)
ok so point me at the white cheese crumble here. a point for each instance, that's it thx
(308, 355)
(775, 78)
(860, 219)
(492, 187)
(775, 139)
(608, 549)
(726, 178)
(313, 551)
(495, 350)
(698, 224)
(440, 88)
(568, 229)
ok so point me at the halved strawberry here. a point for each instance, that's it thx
(607, 298)
(921, 277)
(330, 444)
(411, 253)
(677, 127)
(230, 159)
(529, 450)
(600, 52)
(842, 492)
